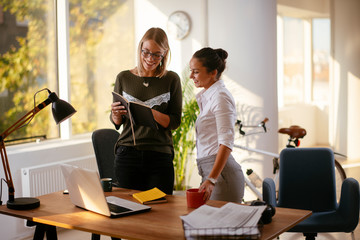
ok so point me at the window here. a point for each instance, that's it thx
(321, 59)
(101, 44)
(305, 45)
(303, 75)
(293, 61)
(27, 64)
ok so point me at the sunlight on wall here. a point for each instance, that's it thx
(176, 53)
(353, 116)
(196, 45)
(280, 60)
(147, 11)
(334, 90)
(249, 114)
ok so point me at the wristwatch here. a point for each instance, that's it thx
(212, 180)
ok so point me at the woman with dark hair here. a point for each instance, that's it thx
(222, 177)
(149, 163)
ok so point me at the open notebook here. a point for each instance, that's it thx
(86, 192)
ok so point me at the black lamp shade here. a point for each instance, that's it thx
(61, 110)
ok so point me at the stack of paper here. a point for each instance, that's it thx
(230, 220)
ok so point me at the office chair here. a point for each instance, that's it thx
(104, 142)
(307, 181)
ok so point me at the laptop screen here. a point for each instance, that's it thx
(85, 191)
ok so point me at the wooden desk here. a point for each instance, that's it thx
(161, 222)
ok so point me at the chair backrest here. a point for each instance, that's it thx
(307, 179)
(104, 143)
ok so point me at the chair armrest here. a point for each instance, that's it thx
(269, 191)
(349, 204)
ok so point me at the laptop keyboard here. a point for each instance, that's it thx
(117, 209)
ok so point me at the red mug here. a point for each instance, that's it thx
(194, 198)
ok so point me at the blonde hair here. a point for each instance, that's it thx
(160, 38)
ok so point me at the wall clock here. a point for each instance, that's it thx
(179, 24)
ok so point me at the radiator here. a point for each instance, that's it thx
(47, 178)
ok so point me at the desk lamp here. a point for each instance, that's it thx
(61, 111)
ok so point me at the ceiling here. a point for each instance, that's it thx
(304, 8)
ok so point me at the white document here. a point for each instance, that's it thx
(230, 219)
(231, 215)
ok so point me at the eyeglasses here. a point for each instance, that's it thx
(155, 56)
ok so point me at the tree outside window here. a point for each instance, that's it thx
(101, 44)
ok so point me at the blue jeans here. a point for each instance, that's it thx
(143, 170)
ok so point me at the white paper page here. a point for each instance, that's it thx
(255, 219)
(235, 215)
(199, 217)
(229, 215)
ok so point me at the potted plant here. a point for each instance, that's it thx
(184, 135)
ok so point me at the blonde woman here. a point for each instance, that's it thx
(149, 163)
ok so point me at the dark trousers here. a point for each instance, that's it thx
(143, 170)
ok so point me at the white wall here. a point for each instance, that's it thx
(345, 77)
(247, 30)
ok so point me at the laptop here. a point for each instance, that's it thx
(86, 192)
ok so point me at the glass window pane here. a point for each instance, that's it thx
(101, 45)
(27, 64)
(321, 59)
(293, 84)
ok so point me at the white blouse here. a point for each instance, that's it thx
(216, 121)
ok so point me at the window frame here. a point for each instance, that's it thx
(63, 58)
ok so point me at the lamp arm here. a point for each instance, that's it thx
(19, 123)
(6, 133)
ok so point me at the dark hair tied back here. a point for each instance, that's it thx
(222, 53)
(212, 59)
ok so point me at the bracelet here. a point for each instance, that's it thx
(212, 180)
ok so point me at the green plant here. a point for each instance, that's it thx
(184, 135)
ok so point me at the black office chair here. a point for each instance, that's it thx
(104, 142)
(307, 181)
